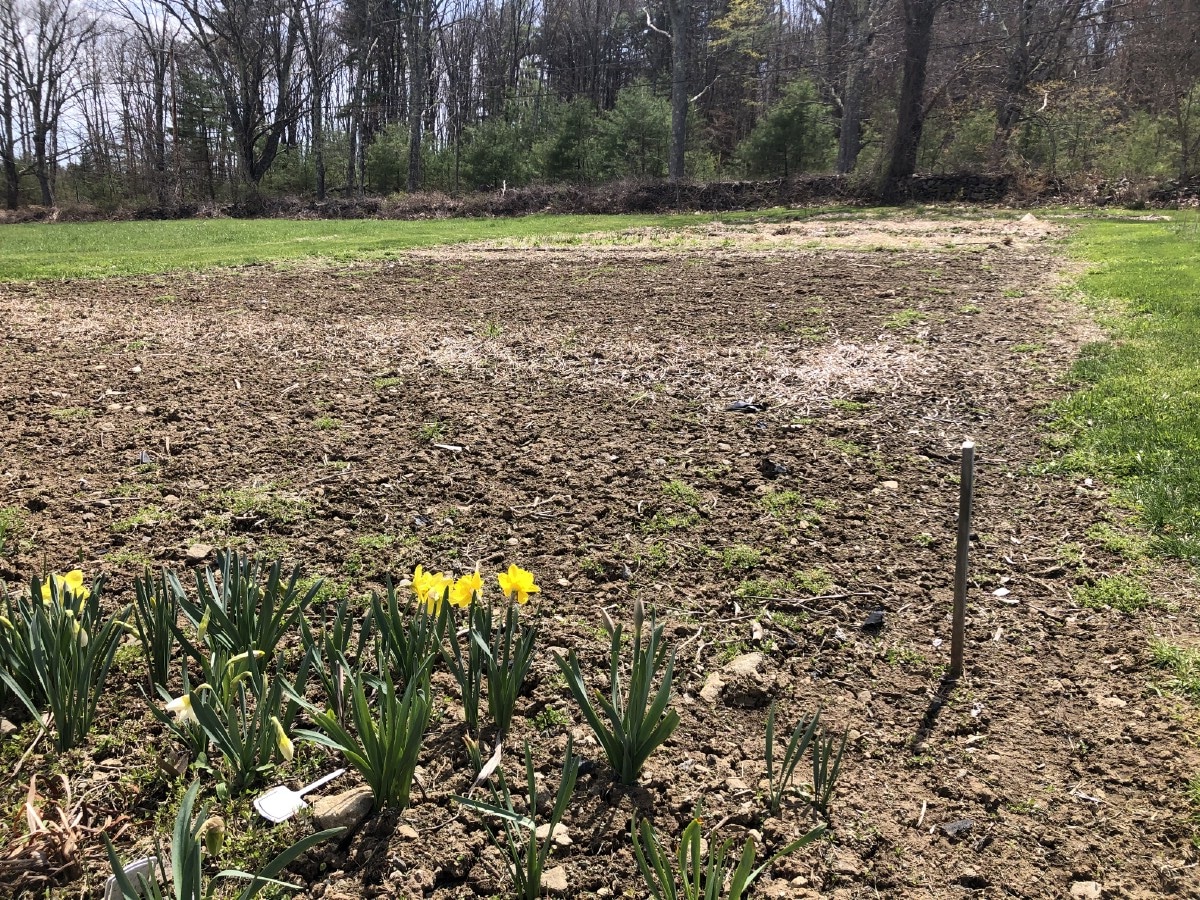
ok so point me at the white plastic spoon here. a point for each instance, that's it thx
(281, 803)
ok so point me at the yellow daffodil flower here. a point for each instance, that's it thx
(69, 586)
(6, 623)
(282, 740)
(430, 587)
(181, 709)
(466, 589)
(73, 582)
(517, 581)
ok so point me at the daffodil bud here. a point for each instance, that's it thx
(607, 624)
(213, 830)
(286, 748)
(6, 623)
(202, 628)
(639, 615)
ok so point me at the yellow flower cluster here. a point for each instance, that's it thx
(434, 588)
(69, 585)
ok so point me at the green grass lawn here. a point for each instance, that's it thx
(100, 249)
(1136, 417)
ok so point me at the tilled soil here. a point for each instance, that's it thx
(566, 409)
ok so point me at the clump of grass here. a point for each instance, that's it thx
(147, 515)
(814, 582)
(740, 558)
(661, 522)
(849, 405)
(1130, 546)
(389, 381)
(326, 423)
(431, 432)
(681, 493)
(1120, 592)
(1183, 666)
(72, 413)
(268, 503)
(848, 448)
(782, 503)
(903, 319)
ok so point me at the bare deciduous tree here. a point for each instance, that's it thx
(44, 42)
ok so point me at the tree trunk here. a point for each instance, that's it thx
(680, 66)
(910, 111)
(318, 142)
(418, 47)
(850, 130)
(41, 168)
(8, 149)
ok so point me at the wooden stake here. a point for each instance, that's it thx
(966, 486)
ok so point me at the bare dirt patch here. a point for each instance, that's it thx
(135, 415)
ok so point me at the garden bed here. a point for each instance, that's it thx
(565, 408)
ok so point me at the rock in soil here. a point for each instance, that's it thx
(554, 881)
(344, 810)
(1087, 890)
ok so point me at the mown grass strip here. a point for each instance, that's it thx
(43, 251)
(1136, 416)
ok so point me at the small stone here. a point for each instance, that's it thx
(344, 810)
(891, 485)
(845, 864)
(744, 664)
(199, 552)
(972, 879)
(7, 728)
(736, 785)
(407, 832)
(864, 696)
(1087, 890)
(554, 880)
(1112, 702)
(954, 829)
(561, 836)
(711, 692)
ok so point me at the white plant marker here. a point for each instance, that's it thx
(281, 803)
(140, 873)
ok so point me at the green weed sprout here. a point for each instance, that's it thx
(156, 616)
(520, 842)
(388, 730)
(638, 725)
(61, 651)
(827, 765)
(508, 656)
(698, 875)
(187, 881)
(245, 612)
(796, 745)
